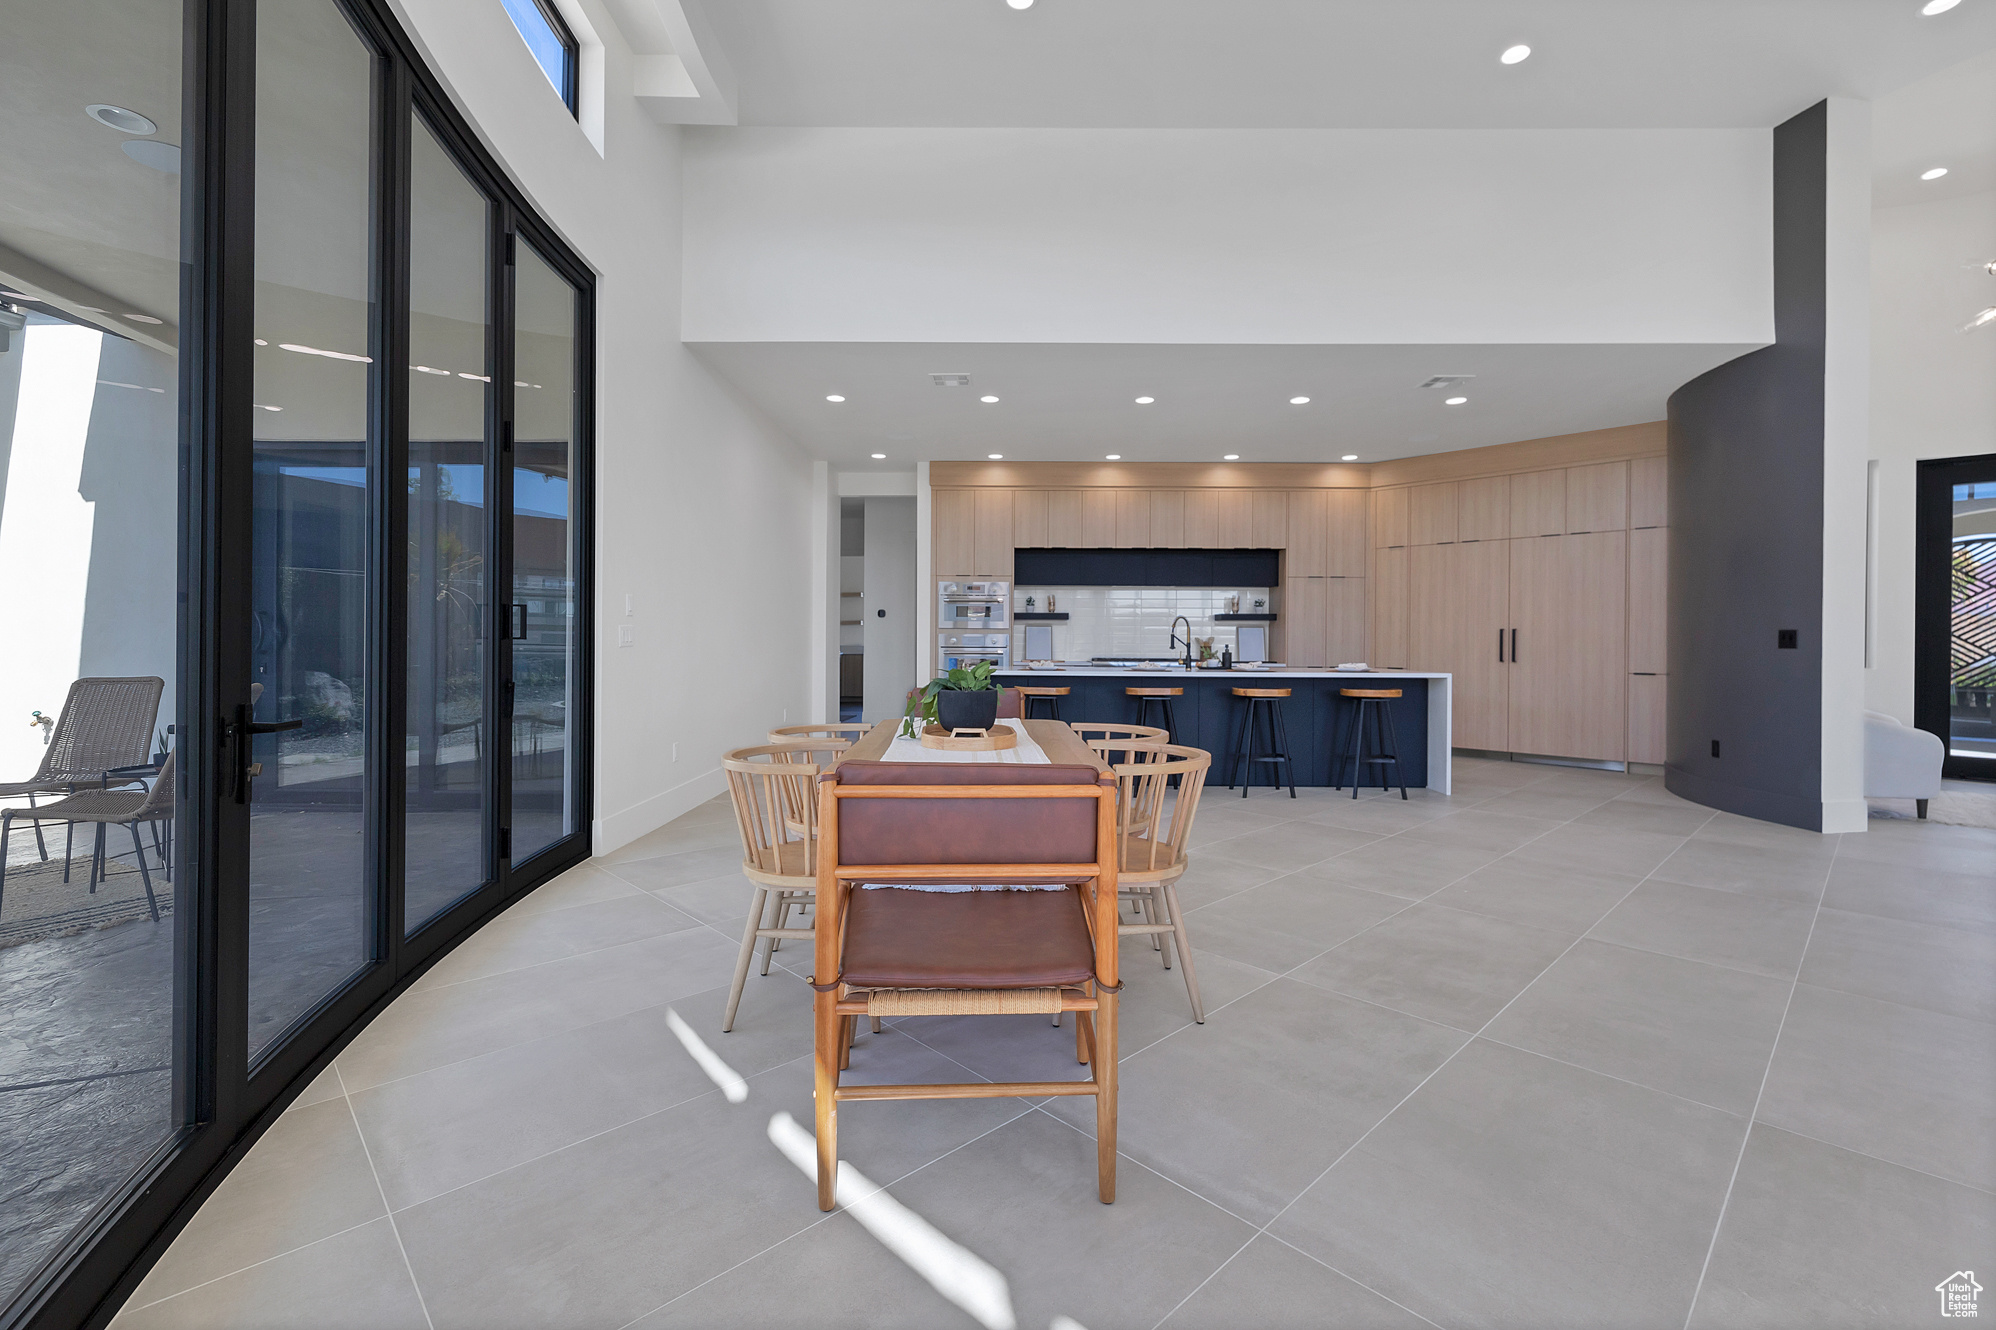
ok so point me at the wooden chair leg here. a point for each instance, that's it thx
(846, 1024)
(876, 1023)
(825, 1083)
(1105, 1098)
(782, 912)
(1184, 951)
(742, 961)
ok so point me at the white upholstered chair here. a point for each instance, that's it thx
(1900, 762)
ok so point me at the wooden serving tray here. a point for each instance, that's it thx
(995, 739)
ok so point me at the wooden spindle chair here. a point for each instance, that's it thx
(1152, 827)
(849, 730)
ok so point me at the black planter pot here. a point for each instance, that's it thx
(958, 710)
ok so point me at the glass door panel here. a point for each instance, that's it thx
(543, 613)
(311, 576)
(450, 394)
(1972, 628)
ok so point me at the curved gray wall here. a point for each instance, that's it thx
(1746, 548)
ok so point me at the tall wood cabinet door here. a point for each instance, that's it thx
(1589, 649)
(1535, 642)
(1649, 588)
(952, 532)
(1132, 519)
(1431, 514)
(1649, 494)
(1303, 640)
(1202, 519)
(1538, 504)
(1268, 519)
(1432, 608)
(1346, 542)
(1597, 497)
(1064, 520)
(1389, 518)
(1098, 519)
(1167, 519)
(1481, 577)
(1483, 509)
(1389, 608)
(993, 539)
(1308, 527)
(1646, 718)
(1236, 519)
(1345, 626)
(1029, 519)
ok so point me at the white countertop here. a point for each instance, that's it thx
(1175, 672)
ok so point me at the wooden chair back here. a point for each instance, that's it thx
(849, 730)
(774, 791)
(1111, 742)
(1155, 825)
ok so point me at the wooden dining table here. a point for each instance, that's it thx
(1059, 742)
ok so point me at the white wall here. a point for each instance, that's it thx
(1933, 394)
(703, 508)
(1217, 236)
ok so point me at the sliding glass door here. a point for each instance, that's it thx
(1955, 638)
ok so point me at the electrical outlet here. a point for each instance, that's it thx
(1785, 639)
(1715, 748)
(627, 636)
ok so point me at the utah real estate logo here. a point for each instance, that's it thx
(1958, 1292)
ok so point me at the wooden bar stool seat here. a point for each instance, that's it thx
(1159, 698)
(1385, 745)
(1049, 696)
(1267, 743)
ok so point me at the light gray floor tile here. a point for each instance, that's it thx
(1763, 934)
(1732, 829)
(514, 942)
(307, 1179)
(1319, 1069)
(1474, 829)
(324, 1086)
(1674, 1025)
(581, 885)
(1547, 805)
(710, 826)
(1154, 1002)
(1272, 1286)
(1440, 964)
(1818, 1236)
(1755, 869)
(1383, 816)
(1584, 848)
(1902, 1083)
(1212, 875)
(1634, 812)
(1514, 1191)
(1221, 819)
(675, 870)
(1947, 970)
(1292, 845)
(722, 901)
(1399, 866)
(1916, 893)
(1284, 923)
(1563, 900)
(1967, 850)
(355, 1278)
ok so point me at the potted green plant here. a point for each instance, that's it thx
(964, 699)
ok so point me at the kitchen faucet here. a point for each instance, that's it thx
(1188, 637)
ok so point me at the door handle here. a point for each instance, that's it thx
(519, 621)
(1514, 646)
(239, 733)
(1500, 646)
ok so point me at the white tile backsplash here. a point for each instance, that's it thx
(1132, 621)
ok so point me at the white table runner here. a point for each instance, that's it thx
(911, 750)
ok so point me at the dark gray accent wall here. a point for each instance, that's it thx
(1746, 539)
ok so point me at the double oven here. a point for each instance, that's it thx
(973, 623)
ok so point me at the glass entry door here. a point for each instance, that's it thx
(1955, 647)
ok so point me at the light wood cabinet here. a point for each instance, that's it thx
(1430, 616)
(1597, 497)
(1346, 542)
(1132, 519)
(1202, 519)
(1236, 530)
(1538, 504)
(1431, 514)
(1389, 518)
(1483, 508)
(1064, 519)
(1345, 627)
(1649, 597)
(1098, 519)
(953, 532)
(1268, 519)
(1167, 519)
(1029, 519)
(1309, 527)
(991, 548)
(1647, 735)
(1389, 607)
(1303, 608)
(1458, 612)
(1649, 492)
(1569, 672)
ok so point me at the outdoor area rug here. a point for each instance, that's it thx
(36, 903)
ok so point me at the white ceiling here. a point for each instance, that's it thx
(1946, 119)
(1327, 63)
(1077, 402)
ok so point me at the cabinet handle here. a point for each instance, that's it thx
(1514, 646)
(1500, 646)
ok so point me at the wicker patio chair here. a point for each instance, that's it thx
(105, 724)
(106, 808)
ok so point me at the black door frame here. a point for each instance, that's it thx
(1933, 604)
(223, 1101)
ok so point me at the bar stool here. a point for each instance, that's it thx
(1161, 699)
(1050, 696)
(1266, 703)
(1373, 700)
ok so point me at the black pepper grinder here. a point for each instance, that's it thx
(1226, 657)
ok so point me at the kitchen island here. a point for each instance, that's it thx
(1317, 718)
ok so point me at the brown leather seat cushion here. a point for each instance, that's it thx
(896, 938)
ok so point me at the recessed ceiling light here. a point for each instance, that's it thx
(996, 457)
(1454, 401)
(880, 457)
(833, 397)
(1933, 7)
(1020, 4)
(151, 152)
(261, 342)
(1299, 401)
(987, 399)
(1514, 54)
(1231, 457)
(1934, 174)
(1145, 401)
(118, 118)
(1112, 457)
(1351, 457)
(262, 407)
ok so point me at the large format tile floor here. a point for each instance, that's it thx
(1561, 1050)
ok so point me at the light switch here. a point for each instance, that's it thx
(627, 636)
(630, 607)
